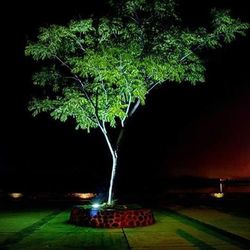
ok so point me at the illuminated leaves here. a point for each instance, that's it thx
(159, 8)
(101, 68)
(47, 76)
(226, 27)
(57, 40)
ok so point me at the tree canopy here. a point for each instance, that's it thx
(96, 69)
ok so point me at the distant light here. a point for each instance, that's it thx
(83, 195)
(221, 185)
(218, 195)
(96, 205)
(16, 195)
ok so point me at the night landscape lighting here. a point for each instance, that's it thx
(96, 205)
(16, 195)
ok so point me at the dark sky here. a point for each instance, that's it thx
(183, 130)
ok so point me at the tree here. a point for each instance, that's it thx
(98, 71)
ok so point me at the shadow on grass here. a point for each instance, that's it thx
(193, 240)
(18, 236)
(221, 234)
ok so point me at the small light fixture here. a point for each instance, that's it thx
(16, 195)
(96, 205)
(218, 195)
(83, 196)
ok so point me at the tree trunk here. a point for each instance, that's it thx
(114, 150)
(114, 154)
(114, 159)
(114, 164)
(113, 172)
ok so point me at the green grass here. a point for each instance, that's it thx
(49, 229)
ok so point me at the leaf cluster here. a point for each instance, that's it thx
(96, 70)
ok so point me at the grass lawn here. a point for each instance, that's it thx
(49, 229)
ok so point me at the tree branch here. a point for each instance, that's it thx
(127, 110)
(121, 133)
(153, 85)
(80, 45)
(137, 104)
(68, 67)
(83, 89)
(104, 131)
(188, 54)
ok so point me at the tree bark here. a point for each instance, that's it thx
(114, 164)
(113, 173)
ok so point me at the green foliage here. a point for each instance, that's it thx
(158, 8)
(98, 69)
(226, 27)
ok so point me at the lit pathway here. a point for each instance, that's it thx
(50, 230)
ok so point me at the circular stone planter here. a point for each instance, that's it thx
(111, 218)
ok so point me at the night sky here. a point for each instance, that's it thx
(182, 131)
